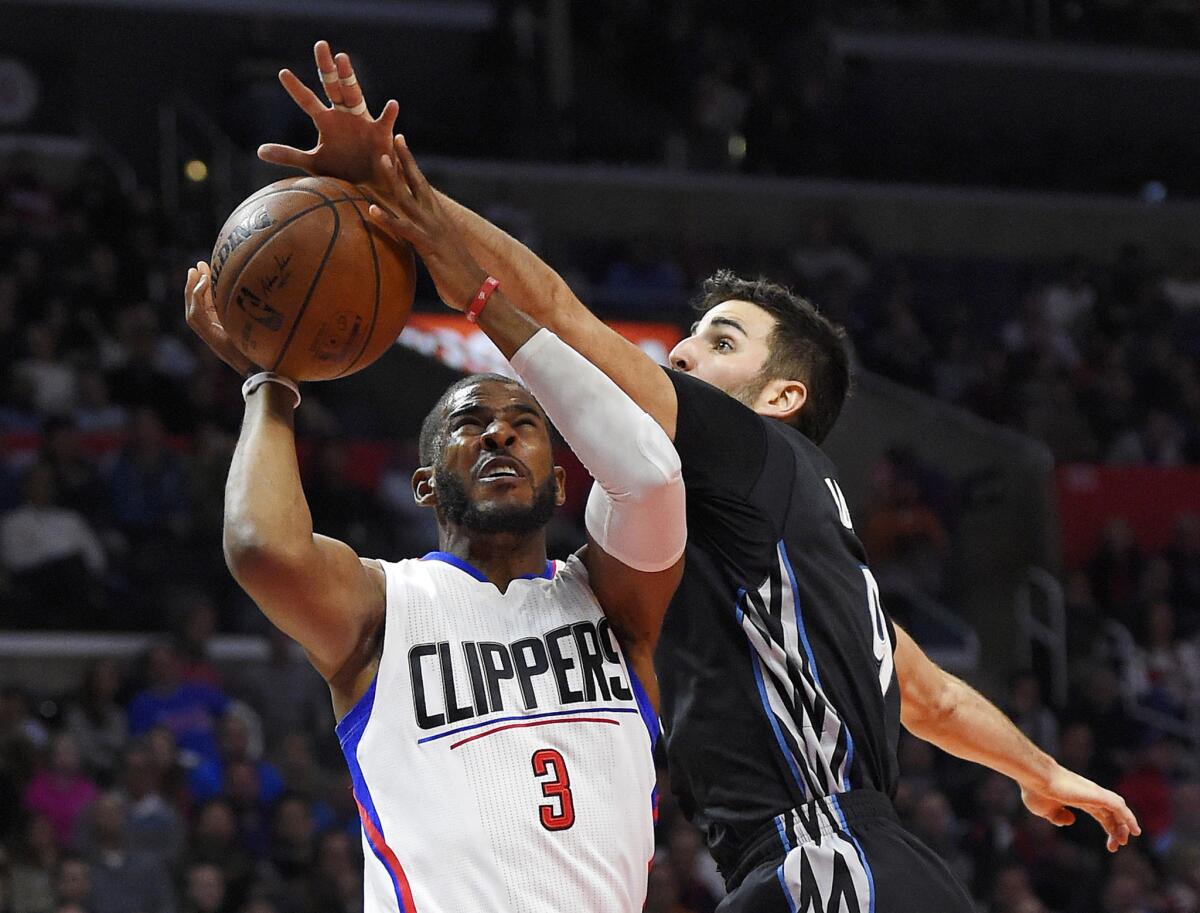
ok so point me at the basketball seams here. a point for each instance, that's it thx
(378, 289)
(333, 236)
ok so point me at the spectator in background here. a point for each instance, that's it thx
(208, 778)
(1146, 784)
(904, 537)
(204, 890)
(195, 621)
(822, 251)
(293, 846)
(94, 410)
(933, 821)
(1069, 298)
(1098, 703)
(1165, 671)
(147, 487)
(61, 790)
(286, 691)
(214, 841)
(340, 507)
(189, 711)
(1184, 831)
(140, 382)
(1114, 571)
(1160, 441)
(53, 556)
(73, 884)
(335, 885)
(1183, 555)
(32, 866)
(1031, 716)
(45, 372)
(96, 720)
(76, 478)
(124, 880)
(154, 825)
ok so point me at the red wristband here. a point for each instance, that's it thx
(479, 302)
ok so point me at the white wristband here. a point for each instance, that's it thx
(254, 381)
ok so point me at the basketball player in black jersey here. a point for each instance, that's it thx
(783, 681)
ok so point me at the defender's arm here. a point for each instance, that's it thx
(944, 710)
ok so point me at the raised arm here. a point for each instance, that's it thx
(944, 710)
(313, 588)
(350, 140)
(636, 515)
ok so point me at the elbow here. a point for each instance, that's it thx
(931, 710)
(250, 553)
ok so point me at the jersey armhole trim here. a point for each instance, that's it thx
(355, 720)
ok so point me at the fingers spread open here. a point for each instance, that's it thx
(290, 156)
(301, 94)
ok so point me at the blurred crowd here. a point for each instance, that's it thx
(171, 785)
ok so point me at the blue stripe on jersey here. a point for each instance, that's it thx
(786, 893)
(527, 716)
(349, 732)
(862, 857)
(762, 695)
(462, 564)
(645, 708)
(812, 663)
(787, 847)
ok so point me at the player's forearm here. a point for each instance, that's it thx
(541, 291)
(266, 514)
(967, 725)
(542, 294)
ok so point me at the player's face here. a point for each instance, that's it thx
(728, 348)
(497, 472)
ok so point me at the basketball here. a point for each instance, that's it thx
(305, 285)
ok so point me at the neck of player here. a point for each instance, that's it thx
(501, 557)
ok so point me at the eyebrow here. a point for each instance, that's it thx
(477, 408)
(724, 322)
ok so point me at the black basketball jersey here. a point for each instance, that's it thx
(775, 659)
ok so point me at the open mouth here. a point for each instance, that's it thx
(499, 469)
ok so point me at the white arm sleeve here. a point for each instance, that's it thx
(636, 510)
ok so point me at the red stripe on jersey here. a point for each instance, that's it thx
(388, 857)
(578, 719)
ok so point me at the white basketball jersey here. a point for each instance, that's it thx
(502, 757)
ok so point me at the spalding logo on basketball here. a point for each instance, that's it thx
(305, 285)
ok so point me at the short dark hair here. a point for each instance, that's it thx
(429, 444)
(804, 345)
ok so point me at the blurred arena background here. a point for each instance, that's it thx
(998, 199)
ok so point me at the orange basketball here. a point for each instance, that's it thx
(305, 284)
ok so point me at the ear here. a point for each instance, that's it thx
(560, 486)
(424, 491)
(782, 399)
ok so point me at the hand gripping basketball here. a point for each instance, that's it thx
(201, 316)
(348, 138)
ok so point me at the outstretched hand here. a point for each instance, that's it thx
(201, 316)
(1066, 790)
(348, 138)
(407, 208)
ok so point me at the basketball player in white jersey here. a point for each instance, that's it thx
(492, 705)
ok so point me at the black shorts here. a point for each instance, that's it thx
(844, 853)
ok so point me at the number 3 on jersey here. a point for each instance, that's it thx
(559, 813)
